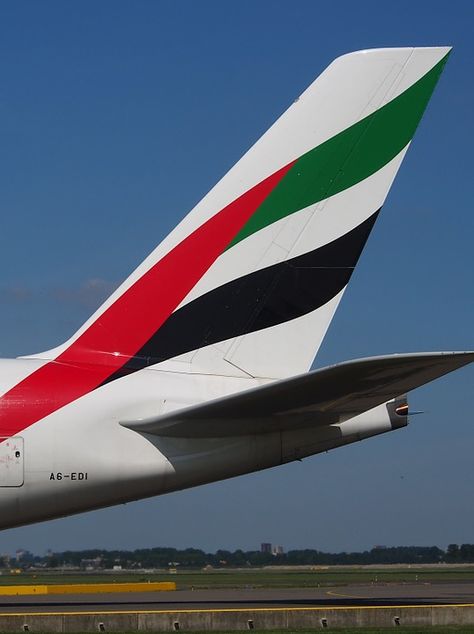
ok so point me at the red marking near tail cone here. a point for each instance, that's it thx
(131, 320)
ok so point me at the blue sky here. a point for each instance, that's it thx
(117, 117)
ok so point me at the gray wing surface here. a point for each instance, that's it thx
(320, 397)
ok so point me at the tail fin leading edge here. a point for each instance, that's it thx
(249, 281)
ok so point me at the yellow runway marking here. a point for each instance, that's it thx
(240, 610)
(87, 588)
(345, 596)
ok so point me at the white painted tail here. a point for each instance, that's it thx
(248, 282)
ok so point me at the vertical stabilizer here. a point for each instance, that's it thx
(249, 281)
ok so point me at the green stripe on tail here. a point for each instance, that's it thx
(347, 158)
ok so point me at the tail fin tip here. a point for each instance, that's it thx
(300, 199)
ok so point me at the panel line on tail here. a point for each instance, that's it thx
(345, 150)
(259, 300)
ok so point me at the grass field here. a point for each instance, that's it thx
(363, 630)
(258, 578)
(358, 630)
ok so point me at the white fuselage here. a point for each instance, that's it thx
(80, 457)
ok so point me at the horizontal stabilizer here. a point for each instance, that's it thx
(321, 397)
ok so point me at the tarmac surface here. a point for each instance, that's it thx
(418, 594)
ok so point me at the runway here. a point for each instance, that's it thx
(380, 595)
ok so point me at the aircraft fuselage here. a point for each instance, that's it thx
(80, 457)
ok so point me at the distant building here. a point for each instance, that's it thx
(24, 556)
(265, 548)
(277, 550)
(91, 564)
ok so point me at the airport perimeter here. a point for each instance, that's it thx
(239, 619)
(430, 597)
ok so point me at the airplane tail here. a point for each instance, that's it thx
(248, 282)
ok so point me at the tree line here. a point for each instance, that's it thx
(195, 558)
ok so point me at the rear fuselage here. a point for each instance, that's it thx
(80, 457)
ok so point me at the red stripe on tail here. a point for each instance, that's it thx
(131, 320)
